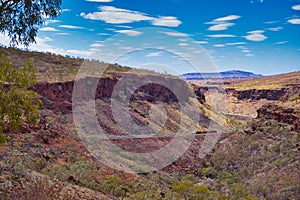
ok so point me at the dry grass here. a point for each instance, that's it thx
(268, 82)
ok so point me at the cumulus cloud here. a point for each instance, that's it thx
(256, 36)
(113, 15)
(49, 29)
(294, 21)
(129, 32)
(296, 7)
(168, 21)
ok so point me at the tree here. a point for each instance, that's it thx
(21, 18)
(18, 104)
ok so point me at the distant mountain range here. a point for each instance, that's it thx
(232, 74)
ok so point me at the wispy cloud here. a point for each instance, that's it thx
(235, 43)
(49, 29)
(183, 44)
(221, 36)
(246, 51)
(70, 27)
(220, 27)
(222, 23)
(256, 36)
(51, 21)
(154, 54)
(294, 21)
(129, 32)
(249, 55)
(228, 18)
(275, 28)
(282, 42)
(113, 15)
(296, 7)
(63, 33)
(100, 1)
(271, 22)
(219, 45)
(96, 45)
(201, 42)
(175, 34)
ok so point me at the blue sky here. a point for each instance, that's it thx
(262, 36)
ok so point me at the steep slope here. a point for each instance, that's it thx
(264, 157)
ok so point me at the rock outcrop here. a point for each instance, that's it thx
(58, 96)
(283, 115)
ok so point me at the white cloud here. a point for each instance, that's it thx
(294, 21)
(201, 42)
(175, 34)
(296, 7)
(70, 27)
(228, 18)
(242, 47)
(235, 43)
(103, 34)
(168, 21)
(42, 46)
(220, 27)
(154, 54)
(282, 42)
(219, 45)
(129, 32)
(249, 55)
(100, 1)
(96, 45)
(113, 15)
(275, 28)
(62, 33)
(121, 26)
(221, 36)
(256, 32)
(246, 51)
(183, 44)
(256, 36)
(271, 22)
(182, 40)
(222, 23)
(49, 29)
(66, 10)
(51, 21)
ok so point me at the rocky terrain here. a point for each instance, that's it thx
(256, 157)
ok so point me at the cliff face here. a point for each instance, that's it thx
(254, 94)
(283, 115)
(58, 96)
